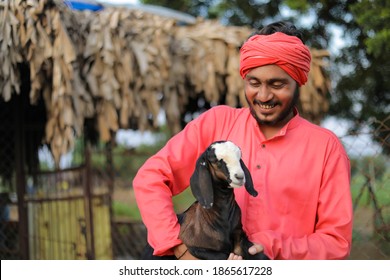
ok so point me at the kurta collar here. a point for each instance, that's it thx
(293, 123)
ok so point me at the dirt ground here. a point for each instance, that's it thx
(365, 246)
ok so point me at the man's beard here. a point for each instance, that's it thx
(283, 115)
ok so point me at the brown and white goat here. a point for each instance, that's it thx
(211, 227)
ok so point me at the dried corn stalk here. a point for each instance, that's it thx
(12, 38)
(314, 94)
(122, 67)
(205, 62)
(127, 62)
(35, 33)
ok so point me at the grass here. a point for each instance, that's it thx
(125, 210)
(381, 188)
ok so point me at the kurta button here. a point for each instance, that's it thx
(263, 145)
(258, 166)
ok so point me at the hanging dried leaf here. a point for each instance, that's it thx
(122, 67)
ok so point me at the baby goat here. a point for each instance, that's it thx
(211, 227)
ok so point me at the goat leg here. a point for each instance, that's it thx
(207, 254)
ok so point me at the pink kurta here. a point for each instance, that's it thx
(304, 207)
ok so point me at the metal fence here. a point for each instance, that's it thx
(67, 216)
(370, 162)
(121, 235)
(9, 229)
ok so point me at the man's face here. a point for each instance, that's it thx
(271, 94)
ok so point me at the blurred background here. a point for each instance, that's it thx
(90, 89)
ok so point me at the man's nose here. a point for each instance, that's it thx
(264, 94)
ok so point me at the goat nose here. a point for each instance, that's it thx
(239, 176)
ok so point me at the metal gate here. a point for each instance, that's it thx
(67, 218)
(60, 214)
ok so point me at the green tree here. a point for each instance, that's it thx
(360, 70)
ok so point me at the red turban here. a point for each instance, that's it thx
(288, 52)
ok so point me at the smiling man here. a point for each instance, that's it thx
(300, 170)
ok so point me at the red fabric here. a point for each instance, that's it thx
(302, 175)
(288, 52)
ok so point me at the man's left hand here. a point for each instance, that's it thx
(255, 249)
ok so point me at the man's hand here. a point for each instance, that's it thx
(233, 257)
(255, 249)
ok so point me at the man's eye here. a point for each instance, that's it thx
(253, 83)
(277, 85)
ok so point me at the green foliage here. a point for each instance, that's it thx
(235, 12)
(370, 77)
(379, 43)
(374, 19)
(301, 6)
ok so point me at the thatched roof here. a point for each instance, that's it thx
(122, 66)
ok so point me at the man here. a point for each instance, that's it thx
(301, 171)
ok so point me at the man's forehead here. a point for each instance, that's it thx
(276, 75)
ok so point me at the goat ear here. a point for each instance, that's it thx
(201, 184)
(248, 180)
